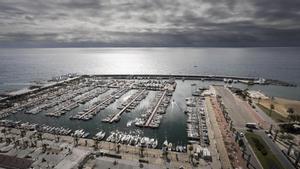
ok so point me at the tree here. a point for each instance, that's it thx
(272, 107)
(191, 148)
(23, 133)
(96, 144)
(142, 151)
(118, 148)
(259, 99)
(40, 136)
(291, 112)
(75, 139)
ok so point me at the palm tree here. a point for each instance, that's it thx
(23, 133)
(291, 112)
(118, 148)
(191, 149)
(76, 139)
(142, 151)
(40, 136)
(258, 100)
(272, 107)
(96, 144)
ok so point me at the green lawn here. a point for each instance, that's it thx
(262, 151)
(274, 115)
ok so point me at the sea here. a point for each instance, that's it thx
(19, 67)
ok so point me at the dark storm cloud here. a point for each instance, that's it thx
(149, 22)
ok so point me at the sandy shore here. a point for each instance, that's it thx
(281, 105)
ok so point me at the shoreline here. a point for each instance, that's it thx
(281, 105)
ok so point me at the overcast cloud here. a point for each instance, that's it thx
(149, 22)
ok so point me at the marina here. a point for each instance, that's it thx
(167, 115)
(91, 95)
(151, 101)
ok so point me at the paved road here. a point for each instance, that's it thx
(267, 118)
(236, 108)
(240, 117)
(241, 114)
(276, 150)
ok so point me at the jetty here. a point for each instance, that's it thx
(117, 115)
(94, 109)
(155, 109)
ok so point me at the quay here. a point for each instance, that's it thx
(51, 151)
(155, 109)
(117, 115)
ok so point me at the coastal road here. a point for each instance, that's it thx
(240, 115)
(276, 150)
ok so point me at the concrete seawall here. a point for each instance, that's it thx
(176, 76)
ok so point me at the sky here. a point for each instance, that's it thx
(134, 23)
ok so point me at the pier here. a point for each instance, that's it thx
(91, 93)
(115, 117)
(101, 103)
(59, 112)
(155, 109)
(95, 107)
